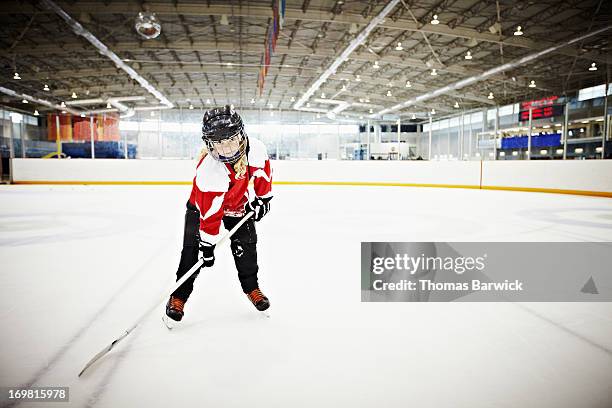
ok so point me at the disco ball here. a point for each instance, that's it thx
(147, 25)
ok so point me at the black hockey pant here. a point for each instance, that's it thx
(243, 245)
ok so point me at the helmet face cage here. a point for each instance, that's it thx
(223, 133)
(228, 150)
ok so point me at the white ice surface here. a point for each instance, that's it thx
(79, 263)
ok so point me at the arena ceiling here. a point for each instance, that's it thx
(211, 52)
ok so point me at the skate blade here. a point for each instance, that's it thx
(169, 323)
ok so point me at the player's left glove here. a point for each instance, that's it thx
(259, 206)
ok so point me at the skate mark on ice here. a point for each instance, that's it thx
(62, 351)
(566, 329)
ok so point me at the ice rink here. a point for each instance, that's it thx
(80, 263)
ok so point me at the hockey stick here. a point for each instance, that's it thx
(166, 293)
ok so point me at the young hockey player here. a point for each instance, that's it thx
(220, 194)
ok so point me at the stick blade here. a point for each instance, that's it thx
(103, 352)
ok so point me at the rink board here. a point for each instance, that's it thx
(590, 177)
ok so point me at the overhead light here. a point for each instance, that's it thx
(376, 66)
(208, 101)
(64, 111)
(24, 101)
(271, 113)
(35, 112)
(74, 95)
(435, 20)
(518, 31)
(490, 95)
(318, 116)
(152, 113)
(546, 127)
(408, 84)
(371, 110)
(190, 106)
(270, 105)
(322, 95)
(357, 78)
(433, 111)
(367, 100)
(578, 150)
(399, 47)
(543, 151)
(308, 104)
(46, 88)
(389, 84)
(593, 67)
(16, 76)
(468, 55)
(598, 149)
(502, 154)
(558, 125)
(360, 116)
(389, 93)
(581, 130)
(108, 105)
(361, 100)
(559, 151)
(252, 100)
(515, 153)
(434, 72)
(82, 115)
(413, 116)
(456, 105)
(147, 25)
(532, 84)
(292, 99)
(63, 105)
(344, 87)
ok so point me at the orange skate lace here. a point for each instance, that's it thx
(256, 296)
(176, 303)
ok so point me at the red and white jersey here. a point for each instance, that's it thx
(217, 191)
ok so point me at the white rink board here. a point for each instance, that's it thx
(587, 175)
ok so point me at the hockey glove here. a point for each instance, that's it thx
(208, 254)
(259, 206)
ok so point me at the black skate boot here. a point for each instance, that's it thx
(174, 308)
(259, 300)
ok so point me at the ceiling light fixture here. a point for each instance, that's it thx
(532, 84)
(413, 116)
(433, 111)
(46, 88)
(16, 76)
(389, 93)
(399, 47)
(468, 55)
(190, 106)
(293, 99)
(490, 95)
(108, 105)
(456, 105)
(322, 95)
(308, 104)
(371, 110)
(24, 101)
(208, 101)
(147, 25)
(593, 67)
(376, 66)
(358, 78)
(74, 95)
(518, 31)
(63, 104)
(408, 84)
(36, 112)
(252, 100)
(435, 20)
(434, 72)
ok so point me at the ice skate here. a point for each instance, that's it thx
(260, 301)
(174, 312)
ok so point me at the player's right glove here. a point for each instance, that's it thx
(208, 253)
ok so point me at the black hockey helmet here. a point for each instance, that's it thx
(223, 133)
